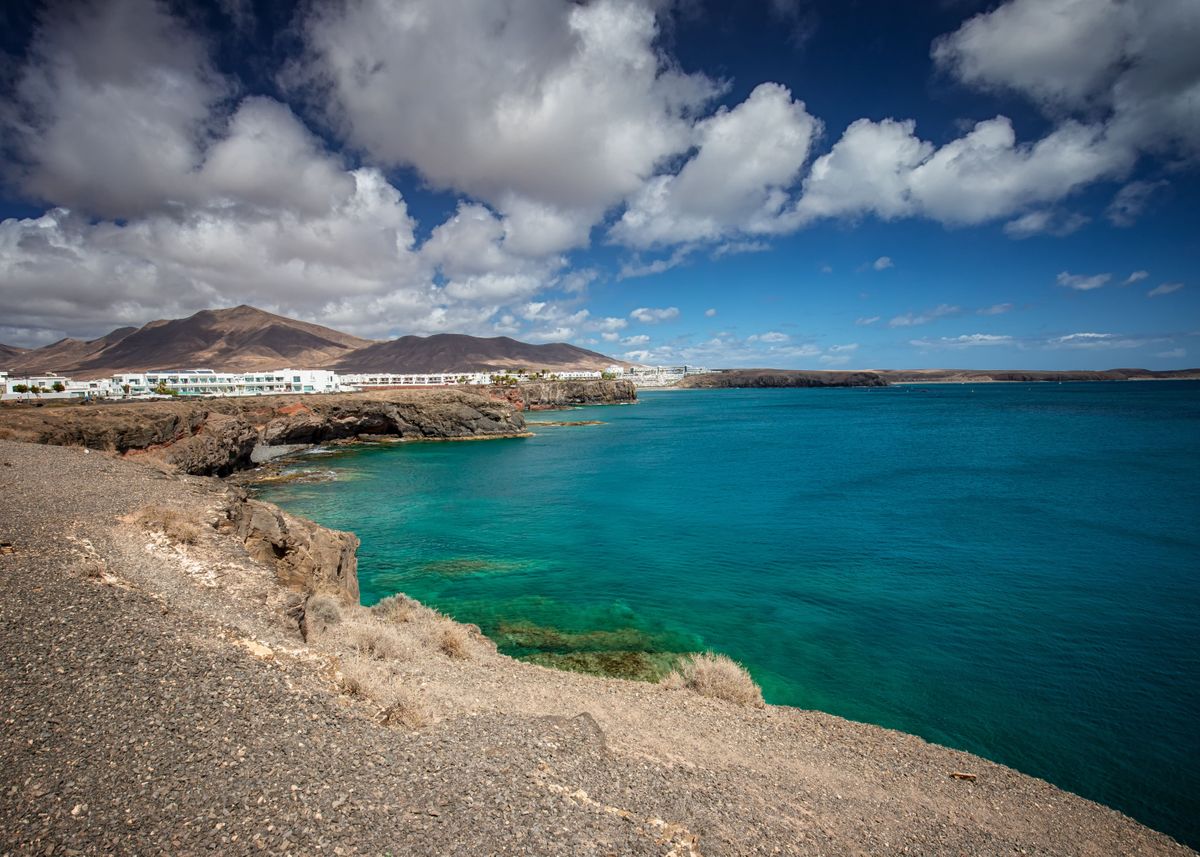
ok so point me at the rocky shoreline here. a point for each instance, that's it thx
(188, 669)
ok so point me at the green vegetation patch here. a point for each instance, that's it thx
(637, 666)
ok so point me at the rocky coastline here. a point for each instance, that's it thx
(188, 669)
(216, 437)
(553, 395)
(760, 378)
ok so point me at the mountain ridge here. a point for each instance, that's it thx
(248, 339)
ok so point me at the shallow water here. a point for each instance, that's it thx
(1009, 569)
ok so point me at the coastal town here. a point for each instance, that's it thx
(209, 382)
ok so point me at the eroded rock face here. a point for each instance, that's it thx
(221, 445)
(307, 557)
(545, 395)
(216, 437)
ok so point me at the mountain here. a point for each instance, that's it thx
(245, 339)
(9, 353)
(453, 352)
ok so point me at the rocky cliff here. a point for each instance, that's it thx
(216, 437)
(547, 395)
(783, 378)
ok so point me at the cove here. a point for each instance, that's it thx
(1009, 569)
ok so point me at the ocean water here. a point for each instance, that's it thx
(1010, 569)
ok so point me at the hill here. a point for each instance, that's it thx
(9, 353)
(450, 352)
(246, 339)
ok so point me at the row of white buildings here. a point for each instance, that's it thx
(207, 382)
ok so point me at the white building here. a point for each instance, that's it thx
(382, 380)
(206, 382)
(52, 386)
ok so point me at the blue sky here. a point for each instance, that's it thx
(784, 183)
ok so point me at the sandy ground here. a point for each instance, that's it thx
(158, 699)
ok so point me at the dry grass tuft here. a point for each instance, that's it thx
(321, 613)
(718, 676)
(362, 678)
(172, 523)
(404, 708)
(401, 609)
(369, 680)
(376, 640)
(451, 639)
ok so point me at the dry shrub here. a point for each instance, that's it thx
(404, 708)
(451, 639)
(321, 613)
(172, 523)
(718, 676)
(401, 609)
(370, 681)
(362, 678)
(375, 640)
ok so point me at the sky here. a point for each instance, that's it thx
(786, 183)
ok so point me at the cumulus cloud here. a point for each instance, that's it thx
(652, 315)
(1164, 289)
(640, 339)
(735, 183)
(883, 263)
(1135, 277)
(1090, 340)
(1082, 282)
(995, 309)
(910, 319)
(710, 312)
(883, 168)
(1133, 62)
(566, 107)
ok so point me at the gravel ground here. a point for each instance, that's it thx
(154, 700)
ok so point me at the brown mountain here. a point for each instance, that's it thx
(9, 353)
(239, 339)
(244, 339)
(454, 352)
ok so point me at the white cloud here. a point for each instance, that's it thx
(636, 268)
(1164, 289)
(1132, 62)
(640, 339)
(651, 315)
(710, 312)
(883, 263)
(969, 340)
(909, 319)
(882, 168)
(609, 336)
(561, 108)
(1099, 341)
(1082, 282)
(866, 320)
(995, 309)
(1173, 354)
(770, 336)
(1046, 222)
(851, 346)
(1131, 201)
(1135, 277)
(735, 183)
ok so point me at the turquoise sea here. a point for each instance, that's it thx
(1009, 569)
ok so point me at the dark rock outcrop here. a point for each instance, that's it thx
(306, 556)
(783, 378)
(546, 395)
(217, 437)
